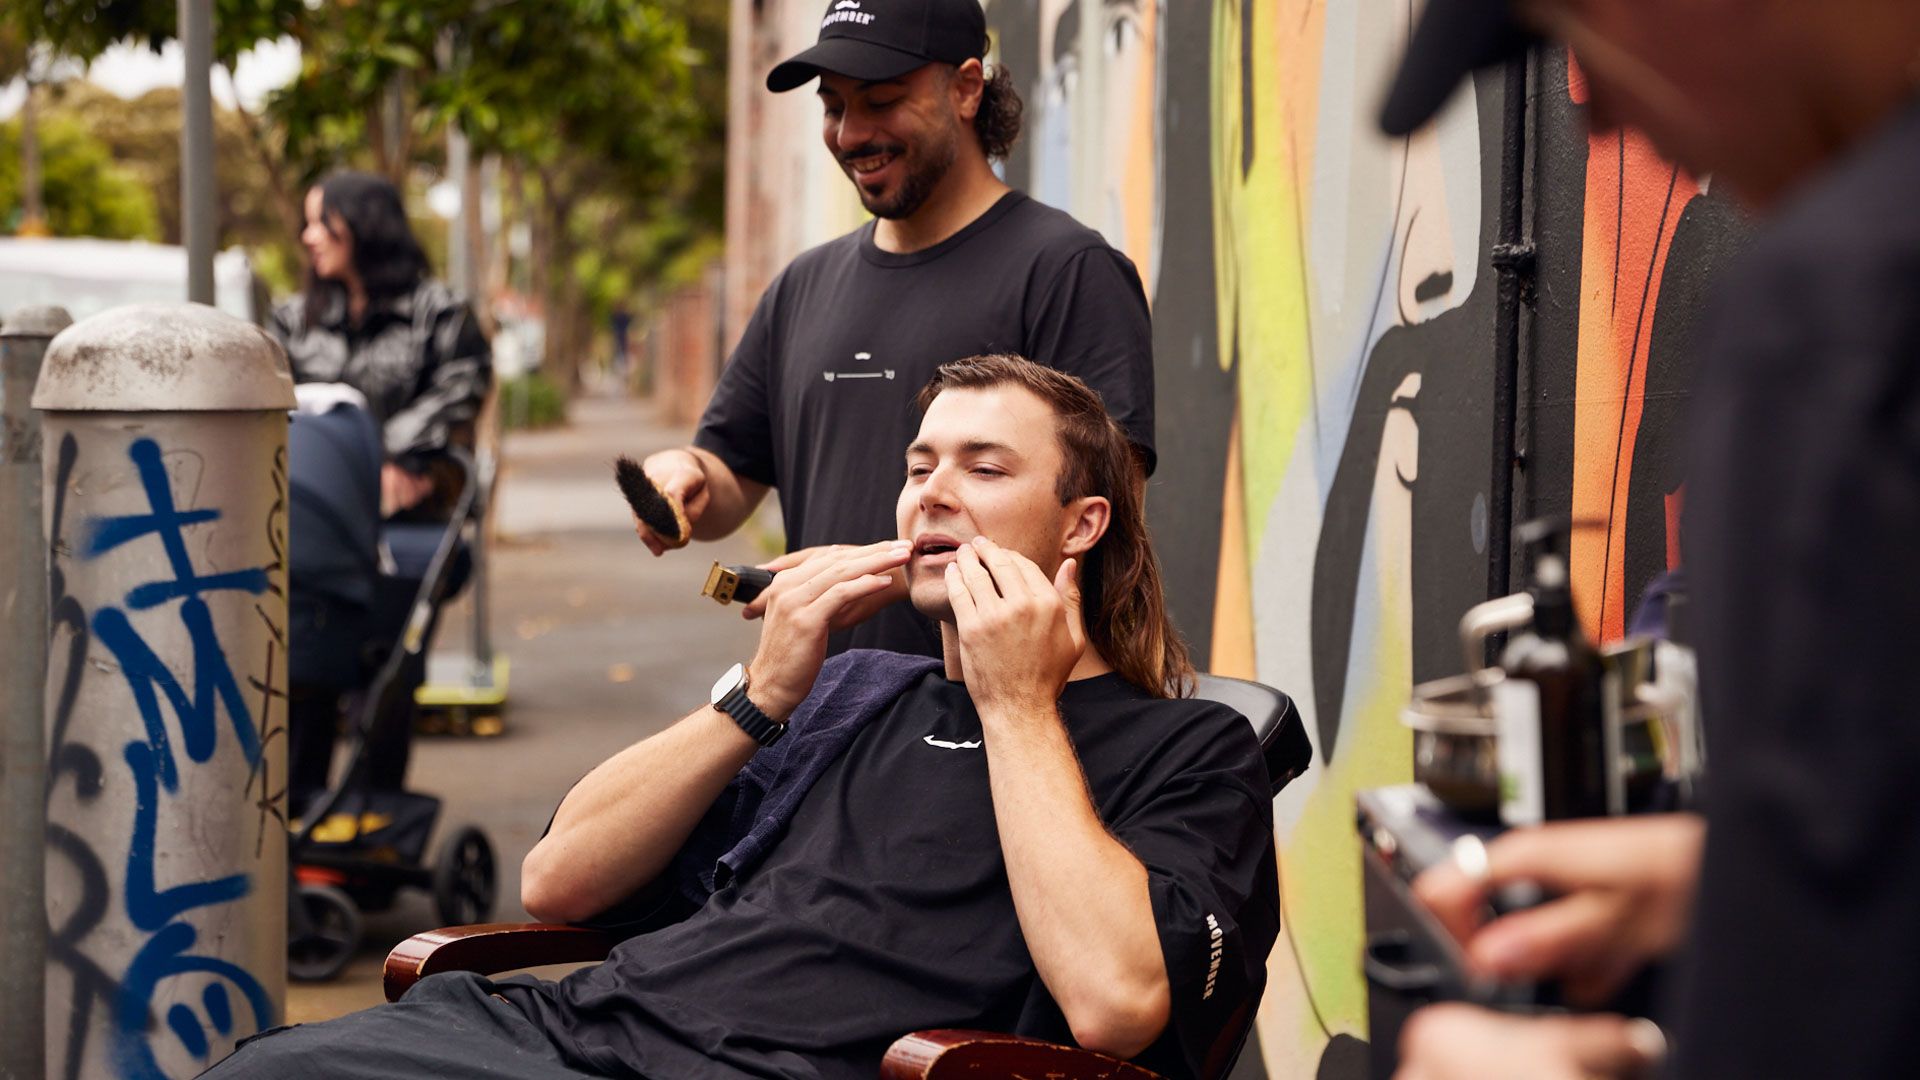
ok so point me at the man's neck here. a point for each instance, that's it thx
(1091, 665)
(968, 190)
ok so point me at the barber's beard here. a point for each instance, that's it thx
(923, 170)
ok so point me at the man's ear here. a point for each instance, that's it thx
(966, 87)
(1086, 521)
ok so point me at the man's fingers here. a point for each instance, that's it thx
(974, 573)
(960, 596)
(1031, 577)
(794, 558)
(847, 592)
(1449, 1041)
(646, 537)
(1066, 581)
(1455, 897)
(823, 571)
(1004, 565)
(1560, 857)
(1614, 1045)
(1554, 938)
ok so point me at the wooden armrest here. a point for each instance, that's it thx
(983, 1055)
(488, 948)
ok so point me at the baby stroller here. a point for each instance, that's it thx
(364, 599)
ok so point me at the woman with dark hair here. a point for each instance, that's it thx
(372, 317)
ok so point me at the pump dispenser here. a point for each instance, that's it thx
(1552, 707)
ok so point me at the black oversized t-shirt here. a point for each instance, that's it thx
(885, 907)
(817, 399)
(1803, 556)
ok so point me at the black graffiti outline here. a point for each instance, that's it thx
(91, 984)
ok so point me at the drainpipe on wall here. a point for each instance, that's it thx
(1512, 259)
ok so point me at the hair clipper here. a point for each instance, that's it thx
(725, 584)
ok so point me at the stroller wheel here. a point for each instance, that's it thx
(463, 878)
(331, 936)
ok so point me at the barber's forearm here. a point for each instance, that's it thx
(620, 825)
(1081, 896)
(731, 498)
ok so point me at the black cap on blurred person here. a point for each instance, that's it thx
(1453, 39)
(872, 40)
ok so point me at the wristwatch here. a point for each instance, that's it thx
(730, 697)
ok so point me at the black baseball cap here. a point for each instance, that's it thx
(871, 40)
(1453, 39)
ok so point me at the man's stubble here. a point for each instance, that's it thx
(924, 173)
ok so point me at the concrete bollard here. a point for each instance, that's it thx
(165, 436)
(23, 673)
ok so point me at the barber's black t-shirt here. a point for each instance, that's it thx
(817, 399)
(885, 908)
(1803, 555)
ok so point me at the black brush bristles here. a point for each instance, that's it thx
(649, 504)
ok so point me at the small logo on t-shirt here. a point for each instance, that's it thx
(1218, 949)
(970, 744)
(863, 357)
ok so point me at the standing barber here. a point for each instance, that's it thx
(817, 399)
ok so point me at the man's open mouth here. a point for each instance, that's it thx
(933, 546)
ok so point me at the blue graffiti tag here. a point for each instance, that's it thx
(213, 675)
(151, 762)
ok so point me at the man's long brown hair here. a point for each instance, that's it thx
(1122, 600)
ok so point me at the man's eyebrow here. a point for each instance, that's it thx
(971, 446)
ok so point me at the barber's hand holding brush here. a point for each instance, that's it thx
(667, 495)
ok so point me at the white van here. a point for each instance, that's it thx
(87, 276)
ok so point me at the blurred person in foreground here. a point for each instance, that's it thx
(1037, 833)
(817, 399)
(372, 316)
(1791, 906)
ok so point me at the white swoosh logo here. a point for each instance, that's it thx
(970, 744)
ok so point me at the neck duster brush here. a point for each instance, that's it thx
(659, 511)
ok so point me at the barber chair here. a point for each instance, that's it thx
(923, 1055)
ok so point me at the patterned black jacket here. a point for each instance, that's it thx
(421, 360)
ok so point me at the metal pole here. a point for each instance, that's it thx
(23, 674)
(460, 235)
(199, 224)
(165, 473)
(1512, 259)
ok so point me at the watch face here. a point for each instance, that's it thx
(726, 683)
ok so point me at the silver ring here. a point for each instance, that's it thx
(1470, 856)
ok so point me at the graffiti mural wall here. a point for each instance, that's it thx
(1324, 332)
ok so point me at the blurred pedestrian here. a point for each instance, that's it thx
(372, 316)
(1803, 498)
(817, 399)
(619, 325)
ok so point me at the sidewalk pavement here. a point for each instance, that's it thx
(607, 644)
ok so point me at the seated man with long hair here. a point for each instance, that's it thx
(1037, 834)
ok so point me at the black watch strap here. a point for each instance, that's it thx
(765, 729)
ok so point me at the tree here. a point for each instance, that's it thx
(589, 99)
(85, 192)
(609, 113)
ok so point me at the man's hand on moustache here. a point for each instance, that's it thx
(1020, 634)
(804, 604)
(859, 613)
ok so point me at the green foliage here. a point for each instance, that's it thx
(142, 135)
(84, 191)
(532, 401)
(83, 29)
